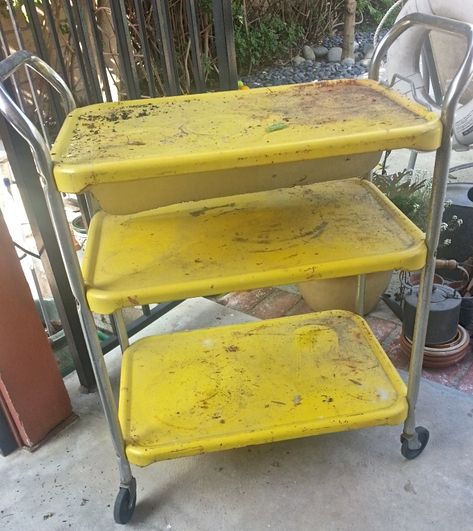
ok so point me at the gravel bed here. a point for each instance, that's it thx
(317, 62)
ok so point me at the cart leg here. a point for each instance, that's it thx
(125, 503)
(414, 439)
(120, 327)
(412, 160)
(44, 166)
(360, 295)
(126, 499)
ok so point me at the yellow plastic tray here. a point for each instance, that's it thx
(116, 142)
(324, 230)
(206, 390)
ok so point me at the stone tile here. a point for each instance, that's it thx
(392, 339)
(275, 305)
(395, 354)
(300, 308)
(451, 376)
(244, 301)
(380, 327)
(466, 382)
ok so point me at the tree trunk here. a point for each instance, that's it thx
(349, 29)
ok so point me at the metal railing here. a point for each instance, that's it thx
(131, 41)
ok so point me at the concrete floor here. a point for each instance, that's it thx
(347, 481)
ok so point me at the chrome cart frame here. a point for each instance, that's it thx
(413, 439)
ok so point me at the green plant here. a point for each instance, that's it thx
(266, 31)
(408, 193)
(264, 41)
(205, 6)
(373, 11)
(412, 196)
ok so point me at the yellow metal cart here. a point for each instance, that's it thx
(230, 191)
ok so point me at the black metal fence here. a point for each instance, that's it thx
(105, 50)
(126, 48)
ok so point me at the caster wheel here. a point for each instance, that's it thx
(124, 505)
(423, 436)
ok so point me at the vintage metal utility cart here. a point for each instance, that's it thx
(229, 191)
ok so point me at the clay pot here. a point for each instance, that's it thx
(340, 293)
(441, 356)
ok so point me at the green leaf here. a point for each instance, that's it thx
(276, 127)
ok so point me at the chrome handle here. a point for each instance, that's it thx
(18, 119)
(429, 23)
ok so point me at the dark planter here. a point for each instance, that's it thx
(461, 247)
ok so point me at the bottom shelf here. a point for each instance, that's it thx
(220, 388)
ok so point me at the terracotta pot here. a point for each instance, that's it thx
(340, 293)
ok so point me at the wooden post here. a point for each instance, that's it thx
(349, 29)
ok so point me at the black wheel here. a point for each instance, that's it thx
(423, 436)
(124, 505)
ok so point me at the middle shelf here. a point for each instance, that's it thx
(324, 230)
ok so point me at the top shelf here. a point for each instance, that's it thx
(115, 142)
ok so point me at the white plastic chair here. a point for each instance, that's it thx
(421, 63)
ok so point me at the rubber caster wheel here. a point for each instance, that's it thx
(124, 505)
(423, 436)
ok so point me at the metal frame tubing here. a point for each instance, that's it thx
(138, 324)
(439, 183)
(44, 167)
(121, 331)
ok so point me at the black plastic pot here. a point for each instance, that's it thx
(466, 314)
(443, 317)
